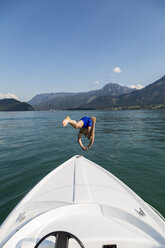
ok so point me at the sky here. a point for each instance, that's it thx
(49, 46)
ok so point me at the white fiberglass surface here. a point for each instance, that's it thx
(92, 224)
(23, 215)
(78, 181)
(55, 190)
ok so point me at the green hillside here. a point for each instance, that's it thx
(14, 105)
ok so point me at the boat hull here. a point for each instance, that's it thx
(81, 198)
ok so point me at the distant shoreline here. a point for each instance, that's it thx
(150, 107)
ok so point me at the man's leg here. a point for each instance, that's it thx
(73, 123)
(76, 124)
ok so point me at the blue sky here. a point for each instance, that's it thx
(79, 45)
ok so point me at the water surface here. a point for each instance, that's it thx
(129, 144)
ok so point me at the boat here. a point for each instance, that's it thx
(80, 204)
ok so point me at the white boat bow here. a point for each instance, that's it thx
(80, 204)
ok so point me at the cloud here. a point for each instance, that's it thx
(97, 82)
(117, 69)
(137, 86)
(9, 95)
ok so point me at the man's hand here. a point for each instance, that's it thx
(85, 148)
(93, 119)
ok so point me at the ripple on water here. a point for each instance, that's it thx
(130, 144)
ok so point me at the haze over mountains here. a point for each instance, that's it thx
(110, 96)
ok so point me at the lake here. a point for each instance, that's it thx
(129, 144)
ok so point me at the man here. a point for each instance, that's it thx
(86, 126)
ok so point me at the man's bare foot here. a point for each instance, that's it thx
(93, 119)
(66, 121)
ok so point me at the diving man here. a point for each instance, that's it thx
(86, 126)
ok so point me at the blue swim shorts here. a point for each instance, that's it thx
(87, 121)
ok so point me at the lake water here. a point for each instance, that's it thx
(129, 144)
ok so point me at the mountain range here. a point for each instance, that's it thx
(75, 100)
(150, 96)
(109, 97)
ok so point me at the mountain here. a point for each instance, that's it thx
(42, 98)
(75, 100)
(14, 105)
(153, 94)
(114, 90)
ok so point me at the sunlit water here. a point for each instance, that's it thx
(129, 144)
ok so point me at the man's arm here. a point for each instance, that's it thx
(92, 134)
(79, 141)
(90, 144)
